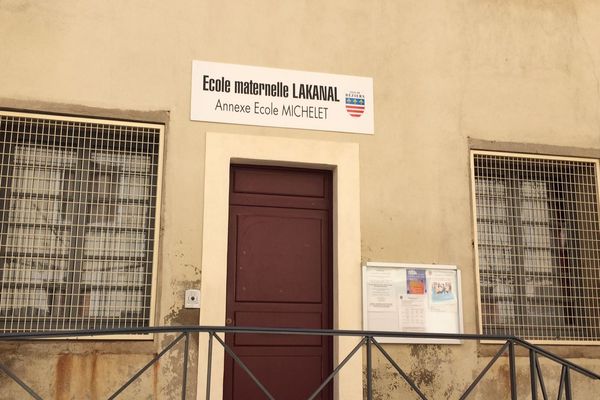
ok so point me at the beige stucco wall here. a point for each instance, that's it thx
(447, 74)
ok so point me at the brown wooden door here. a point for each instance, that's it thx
(279, 274)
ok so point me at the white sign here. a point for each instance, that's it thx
(240, 94)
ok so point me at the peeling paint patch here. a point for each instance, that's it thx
(178, 315)
(64, 372)
(155, 371)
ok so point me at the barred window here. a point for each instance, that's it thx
(538, 246)
(78, 220)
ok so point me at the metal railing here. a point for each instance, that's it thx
(368, 339)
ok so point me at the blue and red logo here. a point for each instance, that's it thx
(355, 104)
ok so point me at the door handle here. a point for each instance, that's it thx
(229, 321)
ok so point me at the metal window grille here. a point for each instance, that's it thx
(538, 246)
(78, 222)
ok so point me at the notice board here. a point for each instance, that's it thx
(412, 298)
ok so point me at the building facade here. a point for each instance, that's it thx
(484, 154)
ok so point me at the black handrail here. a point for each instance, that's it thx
(367, 338)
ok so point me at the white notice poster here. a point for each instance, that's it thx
(412, 314)
(413, 302)
(382, 300)
(441, 286)
(380, 290)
